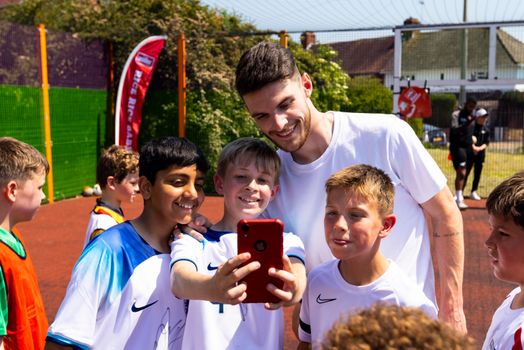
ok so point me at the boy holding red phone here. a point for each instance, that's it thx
(207, 273)
(358, 216)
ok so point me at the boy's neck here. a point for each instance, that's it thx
(153, 231)
(109, 199)
(318, 139)
(362, 271)
(5, 220)
(226, 224)
(518, 300)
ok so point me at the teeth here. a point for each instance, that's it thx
(186, 206)
(249, 200)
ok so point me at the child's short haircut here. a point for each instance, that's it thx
(164, 152)
(394, 327)
(118, 162)
(265, 63)
(247, 149)
(367, 181)
(19, 161)
(507, 199)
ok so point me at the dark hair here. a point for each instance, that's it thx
(164, 152)
(471, 99)
(263, 64)
(507, 199)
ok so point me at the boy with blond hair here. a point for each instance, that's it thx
(505, 245)
(23, 322)
(117, 175)
(119, 295)
(207, 272)
(358, 216)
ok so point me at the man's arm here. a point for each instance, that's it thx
(448, 239)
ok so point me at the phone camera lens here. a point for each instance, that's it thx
(245, 227)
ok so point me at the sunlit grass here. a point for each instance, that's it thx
(497, 167)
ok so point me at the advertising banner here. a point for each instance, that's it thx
(135, 79)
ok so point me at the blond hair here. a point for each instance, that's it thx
(118, 162)
(20, 161)
(394, 327)
(367, 181)
(247, 149)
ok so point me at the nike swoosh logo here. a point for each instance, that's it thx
(211, 268)
(135, 308)
(323, 301)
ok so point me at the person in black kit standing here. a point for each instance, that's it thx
(460, 145)
(476, 159)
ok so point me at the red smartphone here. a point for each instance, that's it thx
(263, 239)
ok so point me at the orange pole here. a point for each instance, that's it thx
(47, 115)
(181, 85)
(283, 38)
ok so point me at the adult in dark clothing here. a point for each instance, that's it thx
(460, 144)
(476, 157)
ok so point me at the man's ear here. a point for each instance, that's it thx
(307, 84)
(219, 184)
(10, 190)
(145, 187)
(387, 224)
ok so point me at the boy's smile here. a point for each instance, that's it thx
(247, 190)
(177, 193)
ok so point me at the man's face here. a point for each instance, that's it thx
(281, 112)
(470, 106)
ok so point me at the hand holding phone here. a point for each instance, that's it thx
(263, 239)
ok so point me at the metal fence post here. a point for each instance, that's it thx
(47, 116)
(181, 85)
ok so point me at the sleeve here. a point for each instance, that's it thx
(94, 284)
(294, 247)
(304, 328)
(4, 311)
(416, 170)
(187, 248)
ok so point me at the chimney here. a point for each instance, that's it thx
(406, 35)
(308, 39)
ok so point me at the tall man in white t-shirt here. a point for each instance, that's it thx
(313, 145)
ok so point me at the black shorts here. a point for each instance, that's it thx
(459, 156)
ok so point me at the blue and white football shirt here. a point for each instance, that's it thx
(119, 297)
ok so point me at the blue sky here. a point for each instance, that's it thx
(318, 15)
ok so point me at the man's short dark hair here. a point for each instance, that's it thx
(164, 152)
(264, 63)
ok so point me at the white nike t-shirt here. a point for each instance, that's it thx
(119, 297)
(380, 140)
(329, 297)
(220, 326)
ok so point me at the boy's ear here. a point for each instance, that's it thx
(10, 190)
(219, 184)
(111, 182)
(145, 187)
(387, 224)
(275, 191)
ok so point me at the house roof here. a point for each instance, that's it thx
(428, 50)
(365, 56)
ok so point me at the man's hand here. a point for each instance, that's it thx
(294, 278)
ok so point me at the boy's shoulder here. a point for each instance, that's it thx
(323, 272)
